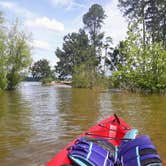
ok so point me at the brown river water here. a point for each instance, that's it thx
(37, 121)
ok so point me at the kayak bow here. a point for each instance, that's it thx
(112, 128)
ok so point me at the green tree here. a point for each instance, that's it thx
(150, 13)
(80, 55)
(81, 78)
(93, 21)
(75, 51)
(18, 54)
(116, 59)
(162, 11)
(134, 74)
(3, 72)
(107, 48)
(135, 11)
(155, 19)
(41, 69)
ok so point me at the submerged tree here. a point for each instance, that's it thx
(133, 73)
(18, 54)
(3, 72)
(15, 54)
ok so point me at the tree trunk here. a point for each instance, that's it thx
(144, 35)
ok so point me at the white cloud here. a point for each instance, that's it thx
(45, 22)
(61, 2)
(31, 19)
(7, 4)
(115, 23)
(41, 45)
(69, 4)
(75, 5)
(16, 8)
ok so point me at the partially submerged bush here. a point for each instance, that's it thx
(47, 80)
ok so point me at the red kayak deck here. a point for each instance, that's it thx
(112, 128)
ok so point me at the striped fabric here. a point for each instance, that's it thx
(139, 152)
(87, 152)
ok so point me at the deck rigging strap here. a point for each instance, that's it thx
(117, 119)
(106, 137)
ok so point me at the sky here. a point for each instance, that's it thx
(50, 20)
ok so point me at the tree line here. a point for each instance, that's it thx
(136, 63)
(15, 54)
(149, 13)
(141, 62)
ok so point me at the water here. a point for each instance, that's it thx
(37, 121)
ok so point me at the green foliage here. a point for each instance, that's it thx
(107, 47)
(3, 73)
(93, 21)
(80, 55)
(144, 68)
(152, 13)
(74, 52)
(13, 79)
(116, 59)
(18, 55)
(14, 55)
(41, 69)
(3, 79)
(81, 78)
(144, 49)
(47, 80)
(137, 63)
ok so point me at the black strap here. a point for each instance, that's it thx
(117, 119)
(147, 151)
(151, 161)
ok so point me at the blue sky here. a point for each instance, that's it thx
(50, 20)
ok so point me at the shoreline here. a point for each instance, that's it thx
(58, 83)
